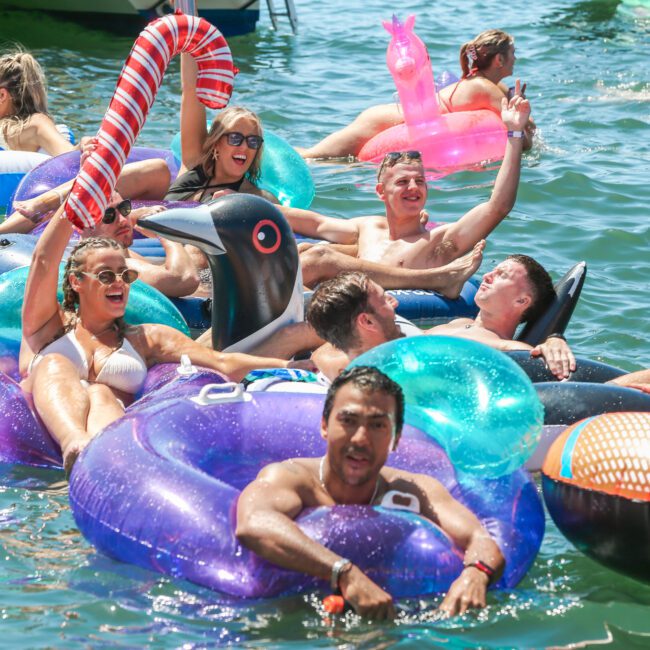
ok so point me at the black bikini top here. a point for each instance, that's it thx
(196, 180)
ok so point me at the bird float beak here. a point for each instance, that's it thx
(188, 226)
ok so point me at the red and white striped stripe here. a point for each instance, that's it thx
(136, 90)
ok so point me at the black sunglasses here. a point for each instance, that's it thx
(393, 157)
(110, 214)
(107, 276)
(235, 138)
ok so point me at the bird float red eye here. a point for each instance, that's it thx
(266, 237)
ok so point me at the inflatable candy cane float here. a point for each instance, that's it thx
(136, 90)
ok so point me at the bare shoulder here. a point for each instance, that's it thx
(371, 222)
(294, 472)
(39, 120)
(430, 493)
(399, 479)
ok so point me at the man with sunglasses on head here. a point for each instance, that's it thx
(397, 251)
(176, 277)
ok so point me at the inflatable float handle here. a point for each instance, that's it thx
(410, 66)
(186, 367)
(221, 394)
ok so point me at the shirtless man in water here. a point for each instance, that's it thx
(397, 251)
(354, 314)
(362, 422)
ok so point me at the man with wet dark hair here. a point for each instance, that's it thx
(362, 422)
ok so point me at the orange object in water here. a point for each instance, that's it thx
(609, 453)
(334, 604)
(596, 482)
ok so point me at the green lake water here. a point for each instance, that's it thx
(583, 196)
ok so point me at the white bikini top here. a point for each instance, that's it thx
(124, 370)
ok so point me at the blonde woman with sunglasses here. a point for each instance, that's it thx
(80, 360)
(227, 158)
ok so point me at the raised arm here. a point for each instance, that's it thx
(194, 129)
(318, 226)
(480, 221)
(40, 305)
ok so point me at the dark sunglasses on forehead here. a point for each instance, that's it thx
(393, 157)
(128, 276)
(110, 214)
(235, 138)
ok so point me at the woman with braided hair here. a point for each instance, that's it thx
(25, 124)
(485, 61)
(80, 360)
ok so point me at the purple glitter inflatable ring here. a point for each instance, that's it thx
(159, 488)
(55, 171)
(23, 438)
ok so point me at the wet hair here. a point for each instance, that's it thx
(541, 286)
(22, 76)
(367, 379)
(335, 305)
(477, 54)
(75, 265)
(223, 123)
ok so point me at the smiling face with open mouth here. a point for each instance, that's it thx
(233, 161)
(96, 297)
(404, 189)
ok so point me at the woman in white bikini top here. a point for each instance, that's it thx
(80, 360)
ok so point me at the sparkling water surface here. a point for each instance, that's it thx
(583, 195)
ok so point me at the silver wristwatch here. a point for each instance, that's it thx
(340, 566)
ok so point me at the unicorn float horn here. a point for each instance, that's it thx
(410, 66)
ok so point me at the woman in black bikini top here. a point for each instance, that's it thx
(228, 157)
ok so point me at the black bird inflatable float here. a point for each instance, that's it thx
(257, 282)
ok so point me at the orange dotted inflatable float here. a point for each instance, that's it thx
(596, 482)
